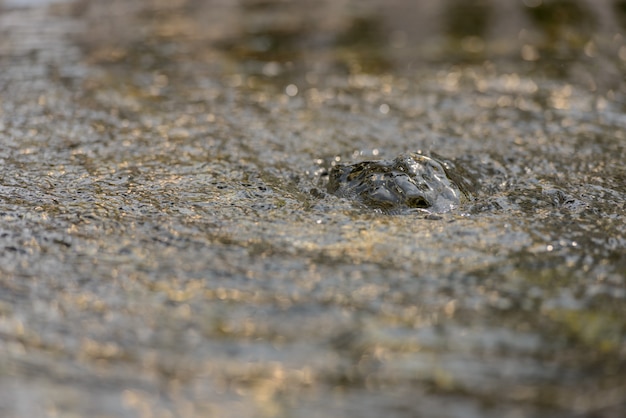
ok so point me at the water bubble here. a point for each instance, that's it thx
(271, 69)
(291, 90)
(409, 183)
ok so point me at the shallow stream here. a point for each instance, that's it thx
(169, 246)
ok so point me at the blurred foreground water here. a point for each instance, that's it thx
(168, 247)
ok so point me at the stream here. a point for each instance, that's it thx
(331, 208)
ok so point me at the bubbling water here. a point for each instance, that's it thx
(411, 182)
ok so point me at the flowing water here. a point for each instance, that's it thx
(186, 230)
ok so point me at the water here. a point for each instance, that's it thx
(169, 247)
(410, 183)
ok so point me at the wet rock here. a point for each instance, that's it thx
(411, 182)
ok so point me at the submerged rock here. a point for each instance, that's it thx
(410, 182)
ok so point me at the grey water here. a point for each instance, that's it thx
(185, 229)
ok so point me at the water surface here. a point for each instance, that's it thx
(168, 246)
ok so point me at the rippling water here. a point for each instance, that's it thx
(168, 245)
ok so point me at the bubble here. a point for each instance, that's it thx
(410, 183)
(291, 90)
